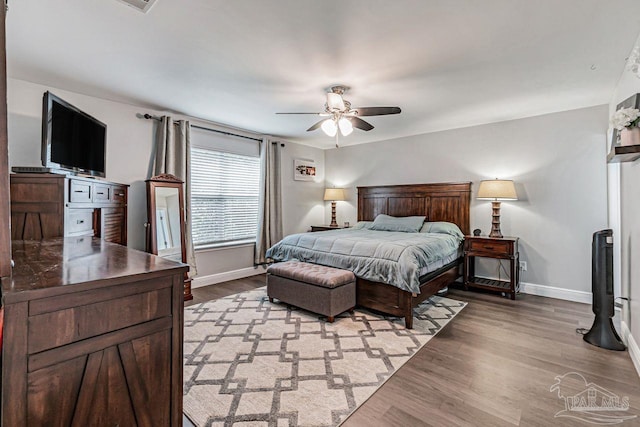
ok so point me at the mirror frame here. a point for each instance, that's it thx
(165, 181)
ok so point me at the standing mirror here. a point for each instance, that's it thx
(165, 221)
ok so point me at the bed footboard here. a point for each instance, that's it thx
(396, 302)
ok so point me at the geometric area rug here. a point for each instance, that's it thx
(253, 363)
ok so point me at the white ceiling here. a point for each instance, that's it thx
(447, 63)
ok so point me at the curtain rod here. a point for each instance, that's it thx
(150, 117)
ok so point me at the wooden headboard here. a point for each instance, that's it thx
(438, 202)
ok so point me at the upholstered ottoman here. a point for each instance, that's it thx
(324, 290)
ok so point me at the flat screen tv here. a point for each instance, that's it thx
(71, 139)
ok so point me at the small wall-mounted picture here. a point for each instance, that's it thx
(632, 102)
(304, 170)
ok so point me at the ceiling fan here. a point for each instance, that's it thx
(341, 117)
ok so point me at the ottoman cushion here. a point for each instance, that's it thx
(319, 275)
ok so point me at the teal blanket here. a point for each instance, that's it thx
(395, 258)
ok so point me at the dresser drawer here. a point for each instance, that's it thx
(73, 323)
(79, 221)
(101, 193)
(119, 194)
(496, 247)
(79, 191)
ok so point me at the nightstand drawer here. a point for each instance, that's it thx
(493, 246)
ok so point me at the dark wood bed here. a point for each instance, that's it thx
(438, 202)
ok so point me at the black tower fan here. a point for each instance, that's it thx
(602, 333)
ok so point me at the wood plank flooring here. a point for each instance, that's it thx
(492, 365)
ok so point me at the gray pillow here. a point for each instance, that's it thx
(443, 228)
(407, 224)
(363, 225)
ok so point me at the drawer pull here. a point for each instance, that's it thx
(99, 193)
(121, 194)
(79, 191)
(80, 221)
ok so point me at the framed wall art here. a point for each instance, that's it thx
(304, 170)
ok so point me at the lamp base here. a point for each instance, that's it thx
(495, 222)
(334, 223)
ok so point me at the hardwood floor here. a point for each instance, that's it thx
(493, 365)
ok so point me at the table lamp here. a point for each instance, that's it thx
(496, 190)
(333, 194)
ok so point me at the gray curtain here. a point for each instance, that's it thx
(270, 202)
(173, 156)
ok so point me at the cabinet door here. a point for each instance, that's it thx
(128, 384)
(114, 225)
(36, 207)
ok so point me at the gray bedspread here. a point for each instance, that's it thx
(395, 258)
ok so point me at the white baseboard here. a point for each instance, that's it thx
(632, 346)
(558, 293)
(212, 279)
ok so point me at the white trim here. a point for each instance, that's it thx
(558, 293)
(615, 220)
(632, 346)
(226, 245)
(212, 279)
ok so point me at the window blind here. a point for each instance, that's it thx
(224, 196)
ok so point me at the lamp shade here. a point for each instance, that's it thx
(497, 189)
(333, 194)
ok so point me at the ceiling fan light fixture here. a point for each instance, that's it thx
(335, 102)
(329, 127)
(345, 126)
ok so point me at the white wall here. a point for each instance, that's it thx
(556, 160)
(302, 200)
(129, 142)
(129, 148)
(626, 177)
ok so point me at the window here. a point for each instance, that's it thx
(224, 196)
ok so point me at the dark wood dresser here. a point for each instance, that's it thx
(92, 336)
(52, 205)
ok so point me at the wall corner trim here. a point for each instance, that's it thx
(212, 279)
(632, 346)
(555, 292)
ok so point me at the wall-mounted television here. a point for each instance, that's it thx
(72, 139)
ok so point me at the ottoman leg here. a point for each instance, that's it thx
(271, 299)
(330, 319)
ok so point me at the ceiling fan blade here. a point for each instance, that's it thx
(335, 101)
(316, 126)
(317, 114)
(360, 124)
(377, 111)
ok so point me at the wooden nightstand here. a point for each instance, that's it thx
(497, 248)
(326, 228)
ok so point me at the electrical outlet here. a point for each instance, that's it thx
(523, 265)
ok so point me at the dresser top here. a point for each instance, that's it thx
(64, 265)
(50, 176)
